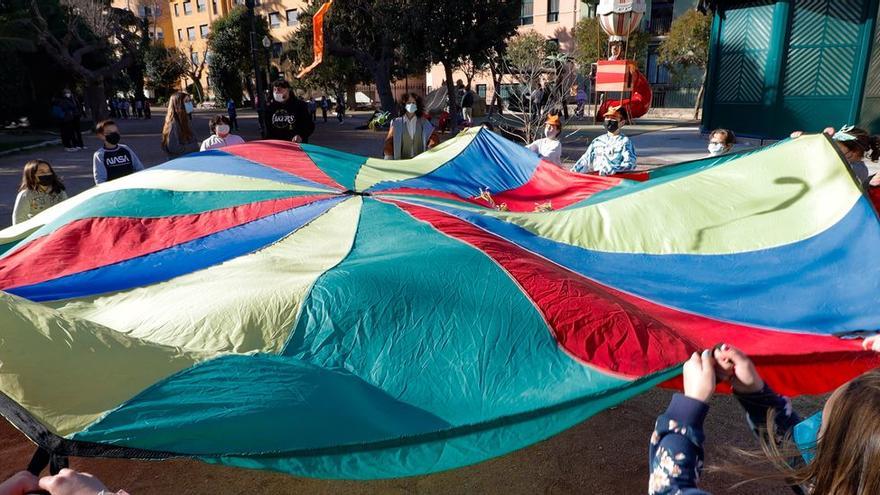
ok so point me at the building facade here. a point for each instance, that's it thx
(186, 24)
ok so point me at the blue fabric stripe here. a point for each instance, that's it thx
(178, 260)
(490, 161)
(823, 285)
(220, 162)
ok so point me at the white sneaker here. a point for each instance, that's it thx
(69, 149)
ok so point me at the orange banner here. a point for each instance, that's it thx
(317, 38)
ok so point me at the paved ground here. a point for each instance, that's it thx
(604, 455)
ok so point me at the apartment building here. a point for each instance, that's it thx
(186, 25)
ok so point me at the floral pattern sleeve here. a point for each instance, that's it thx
(676, 450)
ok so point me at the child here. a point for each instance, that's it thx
(611, 152)
(846, 461)
(220, 136)
(40, 189)
(113, 160)
(549, 147)
(721, 142)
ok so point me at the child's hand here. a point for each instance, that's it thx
(735, 366)
(871, 343)
(19, 484)
(699, 376)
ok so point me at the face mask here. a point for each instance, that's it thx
(411, 107)
(549, 132)
(112, 137)
(279, 97)
(67, 95)
(188, 107)
(45, 180)
(716, 149)
(611, 125)
(805, 435)
(222, 130)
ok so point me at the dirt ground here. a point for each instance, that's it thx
(605, 455)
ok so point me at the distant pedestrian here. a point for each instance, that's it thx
(581, 99)
(113, 160)
(325, 106)
(287, 117)
(148, 114)
(535, 100)
(123, 104)
(40, 189)
(177, 134)
(220, 134)
(232, 113)
(71, 135)
(313, 109)
(467, 106)
(139, 108)
(340, 110)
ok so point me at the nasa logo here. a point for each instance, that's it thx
(118, 160)
(283, 120)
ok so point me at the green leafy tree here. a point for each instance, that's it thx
(164, 68)
(469, 40)
(230, 52)
(687, 47)
(335, 74)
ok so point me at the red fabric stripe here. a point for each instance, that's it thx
(629, 335)
(284, 156)
(549, 183)
(91, 243)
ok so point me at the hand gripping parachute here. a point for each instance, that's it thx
(287, 307)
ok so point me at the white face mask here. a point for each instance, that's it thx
(549, 132)
(411, 107)
(279, 97)
(716, 149)
(222, 130)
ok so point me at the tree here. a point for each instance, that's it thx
(335, 74)
(687, 46)
(468, 40)
(230, 50)
(95, 42)
(164, 67)
(532, 62)
(194, 70)
(379, 37)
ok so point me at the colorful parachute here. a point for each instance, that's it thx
(295, 308)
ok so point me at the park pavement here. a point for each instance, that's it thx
(658, 142)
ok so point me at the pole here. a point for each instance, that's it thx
(259, 85)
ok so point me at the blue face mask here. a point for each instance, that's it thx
(188, 106)
(805, 435)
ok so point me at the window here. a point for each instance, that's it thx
(588, 9)
(194, 56)
(552, 10)
(160, 34)
(276, 50)
(191, 33)
(176, 12)
(187, 8)
(481, 90)
(203, 30)
(274, 20)
(201, 5)
(180, 35)
(292, 17)
(526, 11)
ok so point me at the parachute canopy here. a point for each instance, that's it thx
(295, 308)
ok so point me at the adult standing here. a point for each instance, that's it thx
(71, 121)
(467, 106)
(412, 133)
(178, 137)
(340, 109)
(325, 106)
(147, 112)
(232, 113)
(139, 108)
(313, 109)
(535, 99)
(287, 117)
(581, 100)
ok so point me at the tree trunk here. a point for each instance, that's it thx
(381, 71)
(350, 96)
(451, 95)
(94, 98)
(497, 103)
(699, 102)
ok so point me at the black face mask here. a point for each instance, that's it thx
(112, 138)
(611, 125)
(46, 180)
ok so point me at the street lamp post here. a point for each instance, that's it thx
(267, 44)
(258, 83)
